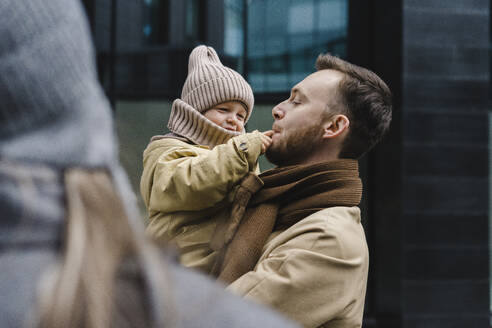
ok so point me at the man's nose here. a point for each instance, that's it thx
(277, 112)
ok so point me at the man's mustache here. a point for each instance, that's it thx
(276, 128)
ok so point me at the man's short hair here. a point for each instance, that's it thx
(365, 99)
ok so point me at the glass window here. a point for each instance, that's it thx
(155, 25)
(332, 16)
(195, 27)
(301, 18)
(234, 31)
(285, 37)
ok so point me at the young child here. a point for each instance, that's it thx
(189, 175)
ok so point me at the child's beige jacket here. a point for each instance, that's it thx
(184, 186)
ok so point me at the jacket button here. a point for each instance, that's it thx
(243, 146)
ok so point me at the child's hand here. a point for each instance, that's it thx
(266, 140)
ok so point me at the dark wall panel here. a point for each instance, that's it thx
(460, 298)
(465, 92)
(440, 195)
(451, 229)
(446, 263)
(420, 159)
(450, 321)
(446, 78)
(446, 62)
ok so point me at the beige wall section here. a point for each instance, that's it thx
(261, 120)
(138, 121)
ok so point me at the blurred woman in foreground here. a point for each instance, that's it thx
(73, 253)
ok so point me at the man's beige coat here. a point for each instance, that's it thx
(315, 272)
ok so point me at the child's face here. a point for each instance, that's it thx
(229, 115)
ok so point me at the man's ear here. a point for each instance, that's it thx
(335, 126)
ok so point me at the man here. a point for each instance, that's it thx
(297, 243)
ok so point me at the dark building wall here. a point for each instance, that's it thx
(375, 42)
(445, 163)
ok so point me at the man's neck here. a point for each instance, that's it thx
(319, 156)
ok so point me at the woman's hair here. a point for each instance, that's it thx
(109, 275)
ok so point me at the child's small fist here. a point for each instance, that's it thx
(266, 140)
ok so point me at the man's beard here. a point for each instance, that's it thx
(296, 145)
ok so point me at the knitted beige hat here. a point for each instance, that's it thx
(209, 83)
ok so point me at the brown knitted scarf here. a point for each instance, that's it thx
(288, 195)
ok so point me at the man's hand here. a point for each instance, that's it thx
(266, 140)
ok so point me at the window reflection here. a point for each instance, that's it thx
(234, 27)
(155, 29)
(195, 27)
(285, 37)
